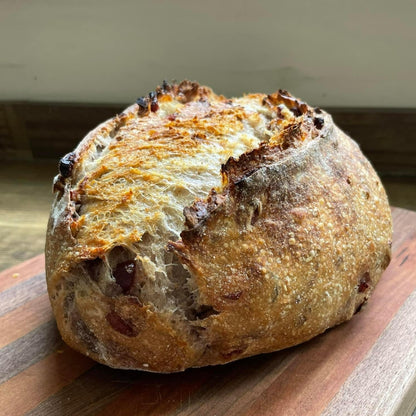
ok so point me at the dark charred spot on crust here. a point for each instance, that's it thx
(154, 105)
(236, 170)
(201, 209)
(296, 111)
(233, 296)
(194, 214)
(363, 284)
(279, 110)
(99, 148)
(143, 104)
(184, 92)
(121, 325)
(291, 134)
(285, 94)
(318, 110)
(318, 122)
(304, 108)
(188, 90)
(124, 274)
(282, 96)
(348, 180)
(166, 87)
(66, 165)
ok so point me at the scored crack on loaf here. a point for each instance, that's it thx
(193, 230)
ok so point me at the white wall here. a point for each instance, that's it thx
(328, 52)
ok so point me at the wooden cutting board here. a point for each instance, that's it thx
(366, 366)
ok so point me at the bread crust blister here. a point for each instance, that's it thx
(194, 230)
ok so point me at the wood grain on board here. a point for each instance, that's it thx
(366, 366)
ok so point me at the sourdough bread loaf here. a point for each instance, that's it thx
(193, 230)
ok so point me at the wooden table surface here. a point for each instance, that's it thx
(366, 366)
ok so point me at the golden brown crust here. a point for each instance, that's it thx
(288, 240)
(282, 260)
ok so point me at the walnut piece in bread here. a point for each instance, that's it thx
(194, 230)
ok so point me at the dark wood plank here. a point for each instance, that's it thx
(36, 383)
(22, 272)
(151, 396)
(28, 350)
(19, 134)
(7, 145)
(18, 295)
(23, 319)
(85, 395)
(55, 129)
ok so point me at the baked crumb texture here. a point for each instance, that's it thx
(193, 229)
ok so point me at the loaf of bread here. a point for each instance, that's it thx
(194, 230)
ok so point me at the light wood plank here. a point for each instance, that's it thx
(387, 375)
(35, 384)
(21, 320)
(22, 272)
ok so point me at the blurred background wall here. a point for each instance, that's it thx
(329, 52)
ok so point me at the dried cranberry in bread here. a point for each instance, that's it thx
(194, 230)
